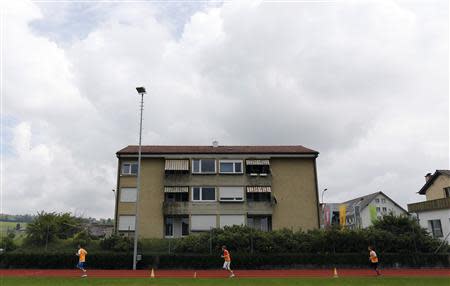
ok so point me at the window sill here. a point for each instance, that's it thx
(128, 175)
(226, 173)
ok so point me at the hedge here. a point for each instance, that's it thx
(113, 260)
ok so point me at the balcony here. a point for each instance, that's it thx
(185, 208)
(430, 205)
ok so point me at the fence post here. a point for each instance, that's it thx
(210, 241)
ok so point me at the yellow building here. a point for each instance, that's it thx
(188, 189)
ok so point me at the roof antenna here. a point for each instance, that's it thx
(215, 143)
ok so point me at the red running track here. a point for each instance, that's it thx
(441, 272)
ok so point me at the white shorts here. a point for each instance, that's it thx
(226, 265)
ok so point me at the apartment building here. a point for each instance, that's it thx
(434, 213)
(189, 189)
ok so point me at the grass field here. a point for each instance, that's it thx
(370, 281)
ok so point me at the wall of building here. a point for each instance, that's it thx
(443, 215)
(151, 220)
(294, 187)
(436, 190)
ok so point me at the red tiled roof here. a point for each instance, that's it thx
(159, 149)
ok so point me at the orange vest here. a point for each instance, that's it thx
(226, 255)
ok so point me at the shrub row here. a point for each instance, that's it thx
(114, 260)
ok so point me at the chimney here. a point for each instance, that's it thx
(215, 143)
(427, 177)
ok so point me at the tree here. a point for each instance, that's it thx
(47, 227)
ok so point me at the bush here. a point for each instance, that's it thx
(117, 243)
(7, 242)
(120, 260)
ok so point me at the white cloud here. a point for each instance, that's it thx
(364, 83)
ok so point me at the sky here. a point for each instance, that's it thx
(365, 83)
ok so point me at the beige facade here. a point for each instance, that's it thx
(292, 183)
(436, 189)
(294, 186)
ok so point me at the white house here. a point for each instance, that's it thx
(434, 213)
(362, 211)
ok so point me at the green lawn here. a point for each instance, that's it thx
(372, 281)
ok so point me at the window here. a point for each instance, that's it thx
(230, 167)
(258, 197)
(176, 197)
(204, 166)
(447, 192)
(231, 194)
(230, 220)
(128, 195)
(203, 222)
(207, 194)
(383, 201)
(435, 227)
(129, 168)
(126, 223)
(258, 169)
(263, 223)
(185, 226)
(384, 209)
(169, 226)
(378, 209)
(377, 201)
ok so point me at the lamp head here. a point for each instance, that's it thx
(141, 90)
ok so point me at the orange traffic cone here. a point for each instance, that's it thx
(195, 274)
(152, 273)
(335, 274)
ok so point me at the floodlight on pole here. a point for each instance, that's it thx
(324, 190)
(141, 91)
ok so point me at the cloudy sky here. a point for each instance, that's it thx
(363, 82)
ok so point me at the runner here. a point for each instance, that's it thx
(81, 253)
(226, 256)
(373, 259)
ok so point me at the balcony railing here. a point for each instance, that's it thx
(430, 205)
(183, 208)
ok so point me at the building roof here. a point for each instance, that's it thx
(364, 201)
(160, 149)
(430, 181)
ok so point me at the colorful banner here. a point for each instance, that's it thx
(373, 213)
(342, 214)
(327, 215)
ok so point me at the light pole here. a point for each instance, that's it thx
(323, 209)
(324, 190)
(141, 91)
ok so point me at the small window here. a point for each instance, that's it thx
(204, 166)
(383, 201)
(230, 167)
(377, 201)
(384, 210)
(129, 168)
(231, 194)
(126, 222)
(447, 192)
(128, 195)
(435, 227)
(378, 209)
(203, 194)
